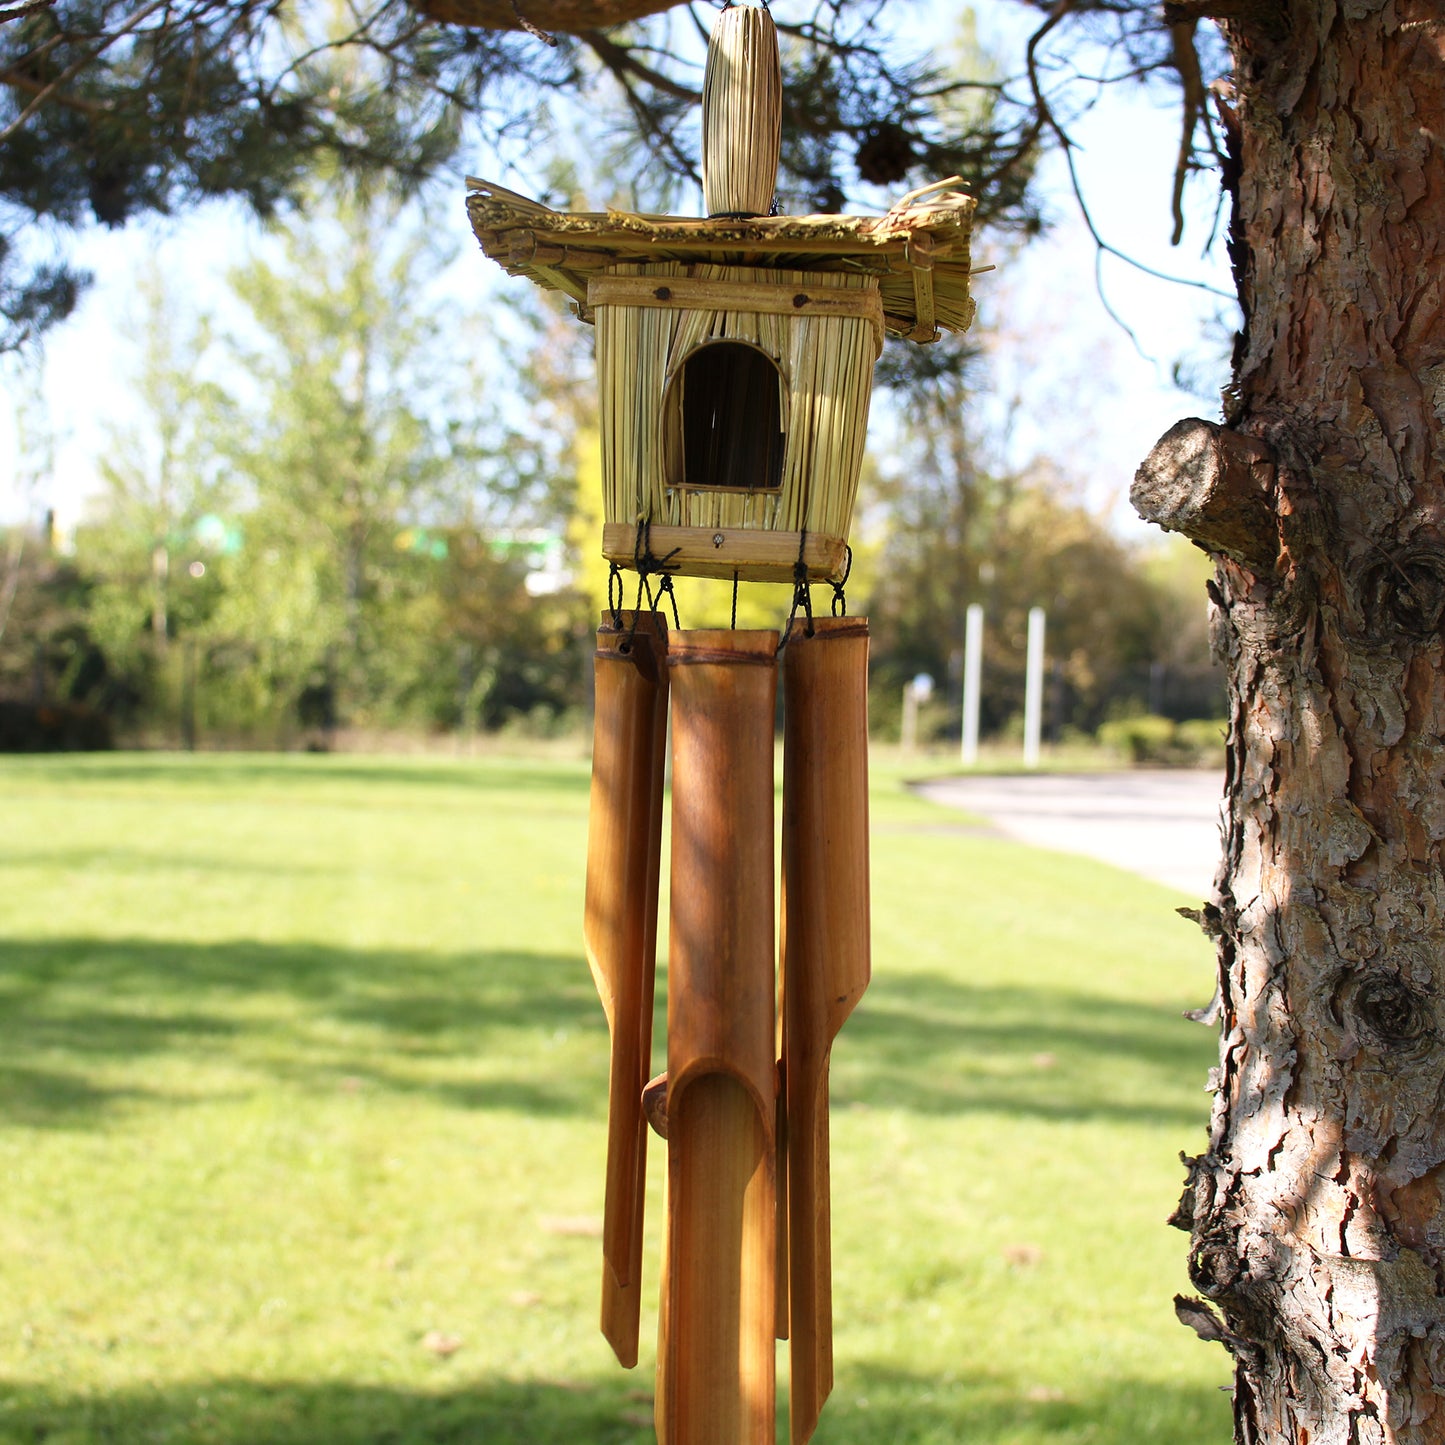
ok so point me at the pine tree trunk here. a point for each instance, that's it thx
(1316, 1216)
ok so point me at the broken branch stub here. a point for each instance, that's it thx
(1216, 487)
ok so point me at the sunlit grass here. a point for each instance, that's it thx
(302, 1083)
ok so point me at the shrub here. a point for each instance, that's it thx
(1148, 739)
(57, 727)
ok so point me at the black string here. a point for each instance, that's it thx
(647, 566)
(733, 624)
(615, 595)
(802, 595)
(840, 601)
(642, 590)
(665, 589)
(642, 557)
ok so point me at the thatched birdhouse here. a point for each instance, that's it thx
(735, 353)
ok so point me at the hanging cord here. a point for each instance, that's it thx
(647, 566)
(802, 595)
(733, 623)
(615, 595)
(665, 589)
(840, 602)
(643, 590)
(642, 557)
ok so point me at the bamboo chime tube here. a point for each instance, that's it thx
(624, 844)
(825, 958)
(716, 1350)
(742, 106)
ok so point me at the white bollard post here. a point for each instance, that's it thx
(972, 679)
(915, 692)
(1034, 688)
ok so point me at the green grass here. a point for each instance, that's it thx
(300, 1061)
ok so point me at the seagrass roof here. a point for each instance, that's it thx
(919, 249)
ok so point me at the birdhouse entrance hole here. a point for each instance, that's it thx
(723, 420)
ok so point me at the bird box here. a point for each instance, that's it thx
(735, 352)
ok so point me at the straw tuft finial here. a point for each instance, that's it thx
(742, 103)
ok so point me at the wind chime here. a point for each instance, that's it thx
(735, 356)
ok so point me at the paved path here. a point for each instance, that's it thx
(1163, 825)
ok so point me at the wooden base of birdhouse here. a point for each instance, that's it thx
(727, 552)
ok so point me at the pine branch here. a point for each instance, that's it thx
(76, 66)
(622, 62)
(19, 12)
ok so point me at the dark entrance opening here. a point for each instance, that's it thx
(728, 398)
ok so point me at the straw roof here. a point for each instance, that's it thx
(919, 250)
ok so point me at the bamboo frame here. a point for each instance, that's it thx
(716, 1346)
(825, 959)
(624, 843)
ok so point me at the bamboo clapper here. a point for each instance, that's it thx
(825, 962)
(624, 844)
(716, 1331)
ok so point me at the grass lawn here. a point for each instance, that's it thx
(302, 1096)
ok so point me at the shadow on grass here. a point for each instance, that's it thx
(130, 863)
(237, 773)
(876, 1405)
(75, 1012)
(479, 1030)
(934, 1046)
(871, 1407)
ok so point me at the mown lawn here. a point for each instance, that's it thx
(302, 1083)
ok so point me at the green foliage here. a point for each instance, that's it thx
(351, 435)
(49, 650)
(324, 540)
(162, 479)
(1144, 738)
(300, 1061)
(953, 525)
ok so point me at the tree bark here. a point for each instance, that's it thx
(1316, 1215)
(566, 17)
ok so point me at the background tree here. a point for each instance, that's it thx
(53, 672)
(56, 684)
(952, 522)
(162, 478)
(357, 445)
(345, 532)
